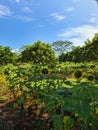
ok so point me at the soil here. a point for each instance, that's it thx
(24, 117)
(12, 119)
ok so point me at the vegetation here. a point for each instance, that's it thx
(43, 92)
(67, 94)
(6, 55)
(38, 52)
(61, 46)
(43, 53)
(86, 53)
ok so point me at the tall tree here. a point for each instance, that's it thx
(38, 52)
(61, 46)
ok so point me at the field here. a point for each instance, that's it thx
(50, 97)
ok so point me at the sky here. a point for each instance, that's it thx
(23, 22)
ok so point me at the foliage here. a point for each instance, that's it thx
(61, 46)
(6, 55)
(86, 53)
(68, 122)
(43, 53)
(68, 102)
(38, 52)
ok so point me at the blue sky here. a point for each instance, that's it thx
(23, 22)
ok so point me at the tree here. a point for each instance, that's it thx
(74, 56)
(63, 57)
(61, 46)
(91, 49)
(38, 52)
(86, 53)
(6, 55)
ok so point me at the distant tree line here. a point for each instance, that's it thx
(88, 52)
(43, 53)
(38, 52)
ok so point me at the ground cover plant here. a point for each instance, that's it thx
(63, 97)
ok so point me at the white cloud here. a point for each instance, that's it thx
(78, 35)
(17, 1)
(92, 20)
(4, 11)
(70, 9)
(15, 51)
(57, 16)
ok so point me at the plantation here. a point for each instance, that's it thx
(42, 91)
(43, 97)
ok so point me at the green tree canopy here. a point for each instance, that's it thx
(38, 52)
(6, 55)
(61, 46)
(91, 49)
(86, 53)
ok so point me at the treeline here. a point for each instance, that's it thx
(40, 52)
(86, 53)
